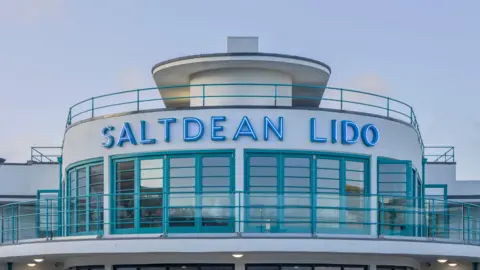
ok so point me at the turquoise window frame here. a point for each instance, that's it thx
(167, 156)
(408, 196)
(40, 192)
(313, 156)
(86, 164)
(446, 220)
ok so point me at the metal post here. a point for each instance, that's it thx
(93, 106)
(138, 100)
(46, 222)
(275, 98)
(388, 107)
(203, 95)
(13, 224)
(9, 266)
(341, 98)
(98, 214)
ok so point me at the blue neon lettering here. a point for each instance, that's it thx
(215, 128)
(126, 135)
(268, 125)
(166, 122)
(346, 125)
(187, 121)
(110, 139)
(313, 132)
(375, 135)
(143, 134)
(245, 129)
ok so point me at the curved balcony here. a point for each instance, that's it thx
(244, 95)
(244, 215)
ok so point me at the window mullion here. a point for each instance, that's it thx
(136, 194)
(87, 198)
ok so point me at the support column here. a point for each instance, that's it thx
(239, 188)
(372, 267)
(107, 198)
(475, 266)
(373, 198)
(108, 267)
(238, 266)
(9, 266)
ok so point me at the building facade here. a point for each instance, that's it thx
(240, 160)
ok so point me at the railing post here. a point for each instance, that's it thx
(47, 220)
(203, 95)
(69, 118)
(93, 107)
(411, 116)
(468, 224)
(388, 107)
(341, 98)
(98, 213)
(138, 100)
(13, 224)
(275, 96)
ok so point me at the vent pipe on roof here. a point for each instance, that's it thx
(242, 44)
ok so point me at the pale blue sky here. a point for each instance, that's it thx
(55, 53)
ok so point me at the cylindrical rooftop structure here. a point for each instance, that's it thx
(241, 76)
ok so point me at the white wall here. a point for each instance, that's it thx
(248, 258)
(441, 173)
(26, 179)
(397, 140)
(444, 266)
(235, 75)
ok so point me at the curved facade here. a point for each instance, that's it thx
(243, 161)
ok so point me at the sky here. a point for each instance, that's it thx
(54, 53)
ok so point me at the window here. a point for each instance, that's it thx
(84, 203)
(286, 192)
(174, 267)
(176, 193)
(304, 267)
(396, 191)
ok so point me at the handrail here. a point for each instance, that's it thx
(117, 102)
(440, 154)
(44, 154)
(242, 213)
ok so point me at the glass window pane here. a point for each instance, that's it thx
(216, 161)
(216, 181)
(392, 177)
(328, 163)
(355, 165)
(399, 168)
(354, 175)
(151, 163)
(291, 171)
(182, 162)
(297, 181)
(263, 171)
(297, 162)
(322, 173)
(263, 161)
(263, 181)
(216, 171)
(182, 172)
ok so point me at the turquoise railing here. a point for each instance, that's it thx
(45, 154)
(243, 215)
(334, 98)
(439, 154)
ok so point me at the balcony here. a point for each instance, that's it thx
(243, 215)
(243, 95)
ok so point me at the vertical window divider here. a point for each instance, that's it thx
(281, 191)
(342, 193)
(313, 193)
(167, 194)
(87, 198)
(198, 194)
(136, 194)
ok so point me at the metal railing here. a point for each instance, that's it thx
(294, 214)
(333, 98)
(45, 154)
(440, 154)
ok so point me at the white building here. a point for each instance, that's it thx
(240, 160)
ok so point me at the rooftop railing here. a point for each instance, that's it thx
(440, 154)
(45, 154)
(332, 98)
(240, 214)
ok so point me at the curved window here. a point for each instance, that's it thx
(295, 192)
(84, 207)
(197, 190)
